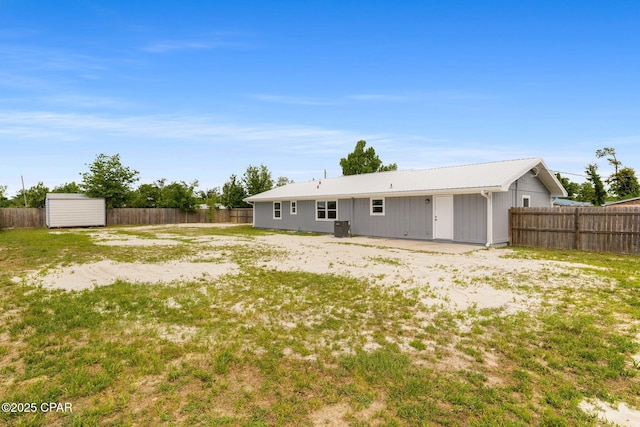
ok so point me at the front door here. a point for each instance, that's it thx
(443, 217)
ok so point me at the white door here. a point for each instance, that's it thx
(443, 217)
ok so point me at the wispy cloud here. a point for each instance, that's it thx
(379, 97)
(294, 100)
(218, 40)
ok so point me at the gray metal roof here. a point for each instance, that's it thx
(490, 177)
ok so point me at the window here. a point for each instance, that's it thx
(293, 207)
(277, 210)
(377, 206)
(526, 201)
(326, 210)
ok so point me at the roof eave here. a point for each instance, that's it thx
(397, 193)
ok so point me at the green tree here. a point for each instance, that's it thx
(610, 154)
(624, 184)
(147, 195)
(599, 192)
(257, 179)
(283, 180)
(35, 196)
(4, 200)
(363, 161)
(572, 187)
(67, 187)
(585, 192)
(179, 195)
(108, 178)
(233, 192)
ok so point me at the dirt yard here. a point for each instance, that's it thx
(457, 276)
(451, 277)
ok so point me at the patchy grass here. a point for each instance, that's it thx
(267, 347)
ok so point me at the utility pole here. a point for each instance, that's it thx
(24, 193)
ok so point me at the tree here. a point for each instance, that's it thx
(585, 193)
(624, 184)
(147, 195)
(4, 200)
(257, 180)
(67, 187)
(363, 161)
(283, 180)
(233, 192)
(179, 195)
(571, 187)
(34, 197)
(108, 178)
(611, 152)
(599, 192)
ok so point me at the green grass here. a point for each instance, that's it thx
(265, 347)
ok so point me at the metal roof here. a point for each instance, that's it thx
(490, 177)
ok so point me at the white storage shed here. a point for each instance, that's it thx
(74, 210)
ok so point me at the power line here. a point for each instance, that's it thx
(570, 173)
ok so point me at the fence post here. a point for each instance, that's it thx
(577, 230)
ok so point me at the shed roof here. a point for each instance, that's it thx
(475, 178)
(67, 196)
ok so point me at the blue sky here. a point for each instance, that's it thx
(201, 89)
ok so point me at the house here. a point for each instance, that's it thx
(635, 201)
(74, 210)
(570, 203)
(467, 204)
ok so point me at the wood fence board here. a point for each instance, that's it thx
(590, 229)
(34, 218)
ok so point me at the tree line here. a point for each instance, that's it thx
(623, 182)
(108, 178)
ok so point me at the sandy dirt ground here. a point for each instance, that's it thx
(452, 276)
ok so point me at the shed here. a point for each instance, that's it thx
(468, 203)
(74, 210)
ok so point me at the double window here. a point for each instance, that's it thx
(377, 206)
(326, 210)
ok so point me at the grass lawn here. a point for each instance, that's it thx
(264, 347)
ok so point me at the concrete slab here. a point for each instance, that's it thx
(414, 245)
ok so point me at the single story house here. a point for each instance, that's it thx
(467, 204)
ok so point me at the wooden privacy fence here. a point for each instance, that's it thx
(34, 217)
(22, 217)
(586, 229)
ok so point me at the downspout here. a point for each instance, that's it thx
(487, 195)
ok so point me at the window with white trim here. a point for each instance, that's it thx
(277, 210)
(326, 210)
(293, 207)
(526, 201)
(377, 206)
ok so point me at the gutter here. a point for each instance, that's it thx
(488, 195)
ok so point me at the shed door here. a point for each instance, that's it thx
(443, 217)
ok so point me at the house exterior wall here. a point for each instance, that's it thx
(404, 217)
(304, 220)
(75, 212)
(469, 218)
(526, 185)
